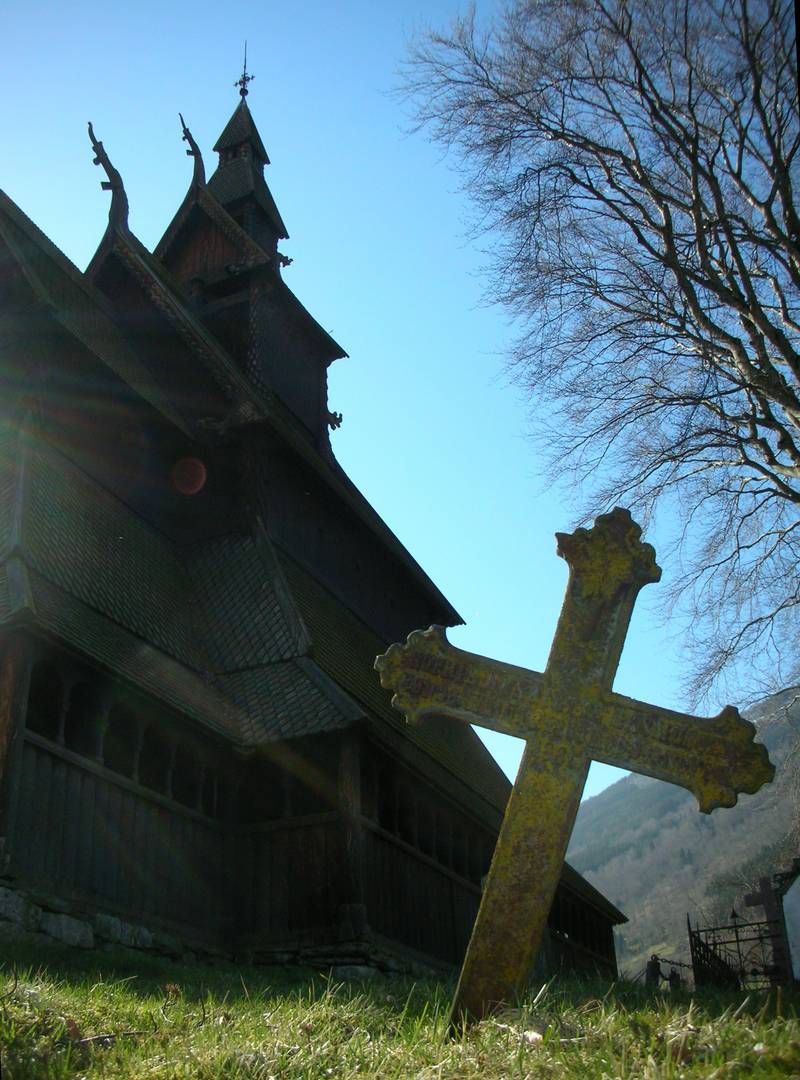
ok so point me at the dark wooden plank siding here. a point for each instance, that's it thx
(80, 832)
(291, 869)
(414, 902)
(206, 251)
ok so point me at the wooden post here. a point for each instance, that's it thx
(102, 728)
(15, 676)
(352, 915)
(232, 869)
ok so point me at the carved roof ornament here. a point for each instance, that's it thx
(118, 211)
(199, 176)
(245, 78)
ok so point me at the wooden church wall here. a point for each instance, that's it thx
(423, 859)
(411, 900)
(88, 835)
(418, 858)
(122, 811)
(200, 250)
(289, 842)
(112, 810)
(581, 937)
(288, 879)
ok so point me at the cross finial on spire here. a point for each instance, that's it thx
(245, 79)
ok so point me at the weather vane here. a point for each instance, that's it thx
(245, 79)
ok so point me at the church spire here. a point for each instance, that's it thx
(239, 136)
(238, 183)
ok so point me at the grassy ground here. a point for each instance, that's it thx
(65, 1013)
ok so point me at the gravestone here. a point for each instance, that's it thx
(568, 716)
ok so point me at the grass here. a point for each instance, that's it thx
(65, 1014)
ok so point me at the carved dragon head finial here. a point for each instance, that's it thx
(199, 176)
(118, 211)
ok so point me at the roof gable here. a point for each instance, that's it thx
(239, 401)
(73, 301)
(244, 249)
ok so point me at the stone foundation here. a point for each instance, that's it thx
(53, 919)
(57, 920)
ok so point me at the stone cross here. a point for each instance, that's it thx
(567, 716)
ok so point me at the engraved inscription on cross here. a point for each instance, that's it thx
(567, 716)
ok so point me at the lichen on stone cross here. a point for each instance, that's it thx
(567, 716)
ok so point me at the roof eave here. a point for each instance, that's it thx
(575, 880)
(333, 350)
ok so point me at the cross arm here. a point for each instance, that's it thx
(715, 758)
(430, 677)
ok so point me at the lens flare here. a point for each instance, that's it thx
(189, 475)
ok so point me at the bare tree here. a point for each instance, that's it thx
(634, 162)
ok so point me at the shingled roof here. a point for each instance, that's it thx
(84, 540)
(90, 572)
(242, 128)
(345, 648)
(285, 701)
(71, 299)
(130, 657)
(238, 586)
(224, 626)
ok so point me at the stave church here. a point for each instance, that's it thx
(195, 751)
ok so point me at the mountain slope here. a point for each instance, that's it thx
(645, 845)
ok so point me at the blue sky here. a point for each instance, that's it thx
(434, 434)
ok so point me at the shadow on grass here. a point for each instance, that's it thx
(146, 975)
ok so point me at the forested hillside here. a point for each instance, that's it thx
(645, 845)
